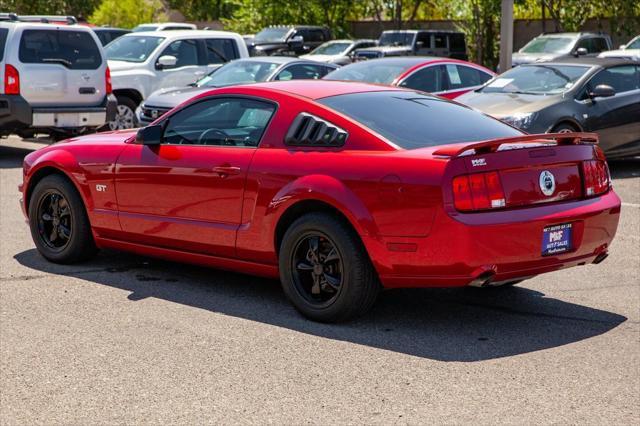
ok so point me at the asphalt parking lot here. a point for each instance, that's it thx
(125, 339)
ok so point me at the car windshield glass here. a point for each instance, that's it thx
(141, 28)
(396, 39)
(634, 44)
(370, 72)
(413, 120)
(237, 73)
(132, 49)
(548, 45)
(331, 49)
(536, 79)
(272, 34)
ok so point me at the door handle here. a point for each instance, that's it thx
(224, 171)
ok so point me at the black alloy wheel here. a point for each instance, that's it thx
(54, 220)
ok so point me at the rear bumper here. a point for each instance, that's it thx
(16, 114)
(504, 245)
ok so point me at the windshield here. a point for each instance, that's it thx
(272, 34)
(413, 120)
(238, 73)
(331, 48)
(396, 39)
(370, 72)
(141, 28)
(536, 79)
(132, 49)
(548, 45)
(634, 44)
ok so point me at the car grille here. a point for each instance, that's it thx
(152, 112)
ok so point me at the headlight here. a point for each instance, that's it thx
(520, 120)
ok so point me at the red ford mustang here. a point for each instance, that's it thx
(337, 188)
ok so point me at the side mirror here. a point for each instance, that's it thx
(150, 135)
(166, 61)
(296, 41)
(602, 91)
(581, 51)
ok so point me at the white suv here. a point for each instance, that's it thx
(53, 79)
(144, 62)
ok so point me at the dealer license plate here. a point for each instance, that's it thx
(557, 239)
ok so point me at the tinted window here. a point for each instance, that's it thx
(622, 79)
(302, 72)
(456, 42)
(425, 38)
(185, 51)
(460, 77)
(413, 120)
(428, 79)
(593, 44)
(132, 48)
(220, 50)
(72, 49)
(440, 41)
(3, 40)
(221, 122)
(314, 36)
(600, 44)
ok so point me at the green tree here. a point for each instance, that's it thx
(127, 13)
(79, 8)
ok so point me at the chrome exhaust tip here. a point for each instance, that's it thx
(483, 280)
(600, 258)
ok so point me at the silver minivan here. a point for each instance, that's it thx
(53, 79)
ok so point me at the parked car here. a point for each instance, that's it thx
(291, 40)
(241, 71)
(449, 78)
(448, 44)
(338, 52)
(108, 34)
(588, 94)
(316, 183)
(53, 79)
(630, 50)
(164, 26)
(551, 46)
(143, 62)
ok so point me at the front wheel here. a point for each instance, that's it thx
(59, 224)
(125, 115)
(325, 270)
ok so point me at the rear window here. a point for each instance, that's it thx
(413, 120)
(71, 49)
(3, 40)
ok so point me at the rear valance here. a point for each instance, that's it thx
(483, 147)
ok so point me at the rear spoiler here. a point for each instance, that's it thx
(484, 147)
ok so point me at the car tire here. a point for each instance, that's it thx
(55, 203)
(564, 128)
(345, 281)
(125, 114)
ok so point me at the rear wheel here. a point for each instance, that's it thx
(564, 128)
(125, 114)
(59, 224)
(325, 270)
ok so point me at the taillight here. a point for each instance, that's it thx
(11, 80)
(596, 177)
(479, 191)
(107, 79)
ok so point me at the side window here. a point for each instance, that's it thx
(456, 43)
(220, 122)
(314, 36)
(461, 76)
(440, 41)
(302, 72)
(425, 38)
(622, 78)
(220, 50)
(600, 44)
(186, 51)
(428, 79)
(592, 44)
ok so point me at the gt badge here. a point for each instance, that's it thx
(101, 188)
(547, 183)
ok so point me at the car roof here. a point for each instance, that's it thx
(45, 25)
(183, 33)
(318, 89)
(408, 61)
(591, 61)
(423, 31)
(272, 59)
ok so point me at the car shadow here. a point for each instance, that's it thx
(624, 169)
(461, 325)
(11, 157)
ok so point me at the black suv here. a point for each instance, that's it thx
(291, 40)
(444, 43)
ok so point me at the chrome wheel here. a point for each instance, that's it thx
(125, 118)
(54, 220)
(317, 268)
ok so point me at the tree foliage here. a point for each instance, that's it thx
(127, 13)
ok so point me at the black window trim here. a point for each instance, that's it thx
(167, 117)
(196, 42)
(291, 144)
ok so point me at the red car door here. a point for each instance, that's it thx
(187, 192)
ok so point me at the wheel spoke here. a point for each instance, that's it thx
(332, 256)
(333, 281)
(313, 249)
(47, 217)
(304, 266)
(54, 234)
(64, 232)
(315, 289)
